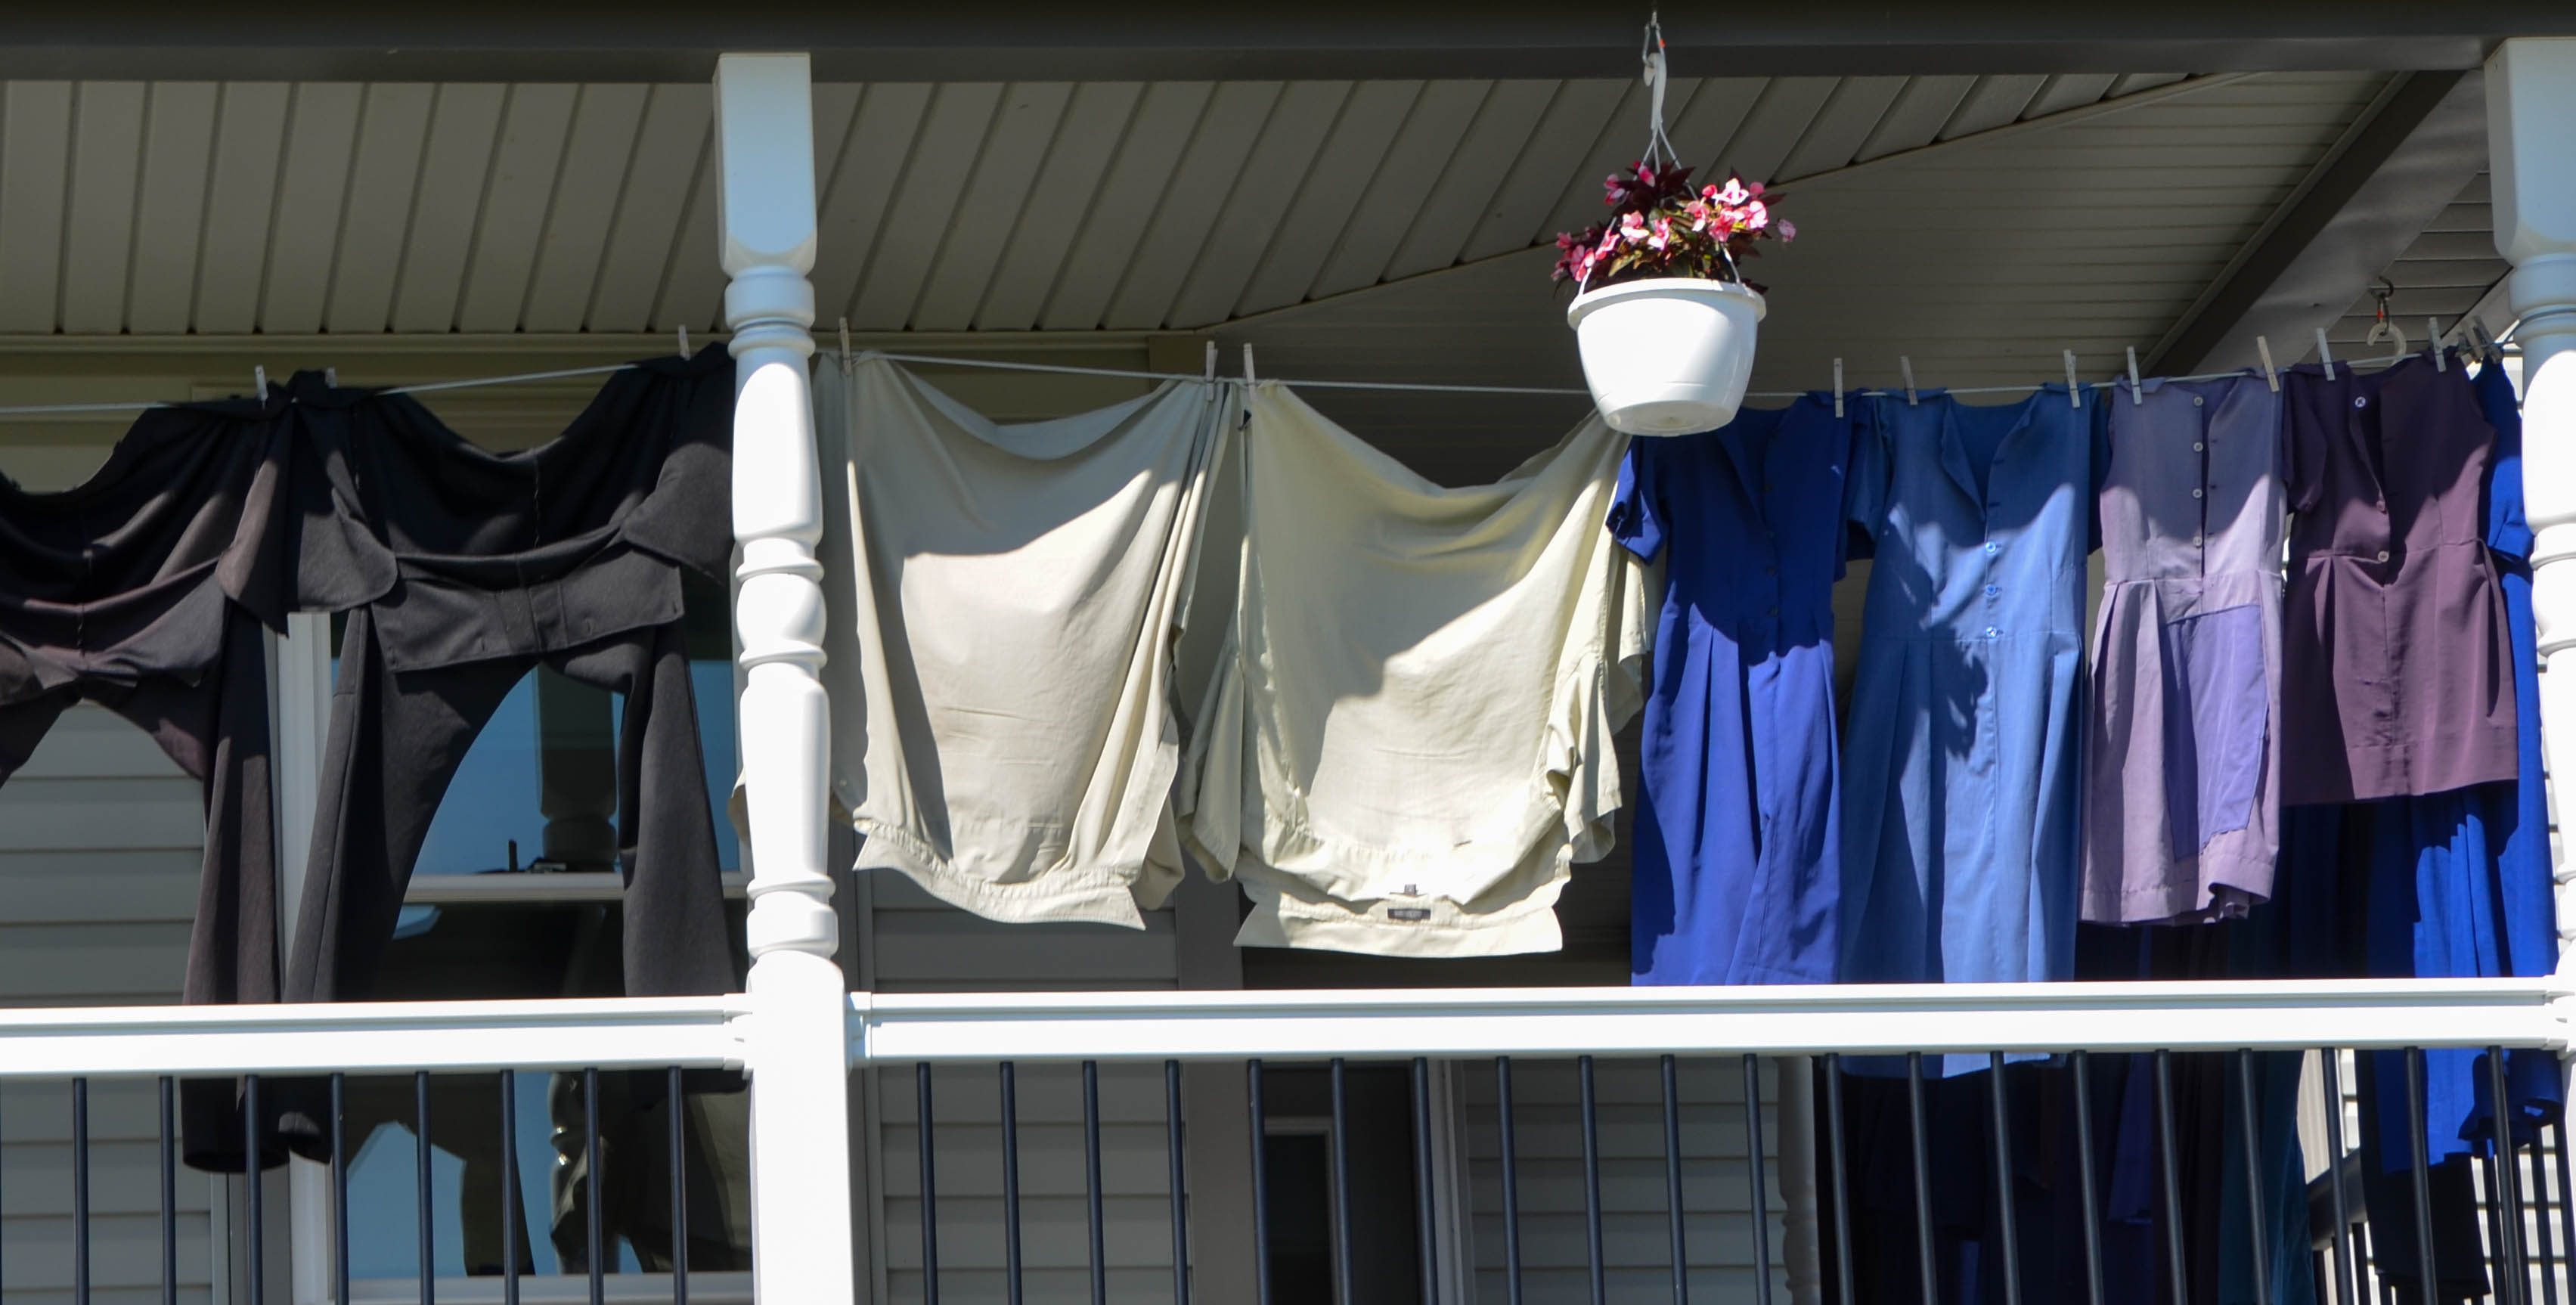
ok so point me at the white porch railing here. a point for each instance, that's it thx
(906, 1032)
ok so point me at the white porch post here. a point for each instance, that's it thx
(2531, 99)
(797, 1042)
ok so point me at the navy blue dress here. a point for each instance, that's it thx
(1738, 862)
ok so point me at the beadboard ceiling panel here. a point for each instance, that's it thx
(424, 208)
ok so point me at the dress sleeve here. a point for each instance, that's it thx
(2302, 458)
(1637, 509)
(2508, 527)
(1865, 480)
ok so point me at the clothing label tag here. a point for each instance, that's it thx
(1410, 914)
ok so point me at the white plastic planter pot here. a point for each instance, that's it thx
(1669, 355)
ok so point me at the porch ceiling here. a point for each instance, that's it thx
(1366, 229)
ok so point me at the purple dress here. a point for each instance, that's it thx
(2396, 679)
(2182, 782)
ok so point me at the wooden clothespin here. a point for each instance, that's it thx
(2324, 354)
(2137, 395)
(1838, 387)
(2433, 337)
(2074, 391)
(1249, 378)
(1906, 365)
(2271, 374)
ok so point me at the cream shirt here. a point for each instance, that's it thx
(1408, 739)
(1003, 603)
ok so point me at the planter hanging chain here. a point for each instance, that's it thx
(1659, 147)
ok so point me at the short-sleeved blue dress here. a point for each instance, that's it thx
(1737, 847)
(1960, 825)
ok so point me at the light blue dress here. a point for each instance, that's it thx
(1960, 838)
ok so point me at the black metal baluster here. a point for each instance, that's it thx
(2566, 1195)
(2257, 1212)
(679, 1189)
(2491, 1209)
(1927, 1260)
(594, 1232)
(2507, 1196)
(1012, 1286)
(80, 1191)
(1592, 1182)
(2087, 1182)
(2423, 1175)
(929, 1184)
(509, 1188)
(1845, 1289)
(170, 1192)
(1425, 1227)
(1761, 1193)
(1673, 1181)
(340, 1191)
(1511, 1182)
(1091, 1181)
(256, 1257)
(1345, 1281)
(2544, 1233)
(2004, 1179)
(2169, 1173)
(1260, 1181)
(428, 1253)
(1180, 1183)
(2347, 1269)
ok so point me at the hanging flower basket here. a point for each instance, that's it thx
(1663, 317)
(1667, 355)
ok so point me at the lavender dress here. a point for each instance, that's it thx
(2183, 779)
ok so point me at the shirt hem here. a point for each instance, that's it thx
(1084, 893)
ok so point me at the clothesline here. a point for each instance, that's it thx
(996, 364)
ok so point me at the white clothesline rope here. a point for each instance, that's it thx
(996, 364)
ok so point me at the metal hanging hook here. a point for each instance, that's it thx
(1659, 147)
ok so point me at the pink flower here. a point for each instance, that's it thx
(1734, 193)
(1757, 215)
(1663, 237)
(1788, 230)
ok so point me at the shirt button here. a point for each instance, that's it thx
(2383, 555)
(2196, 493)
(2195, 541)
(2198, 447)
(1991, 632)
(2360, 402)
(1992, 590)
(2195, 400)
(1993, 548)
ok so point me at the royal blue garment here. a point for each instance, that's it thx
(1960, 769)
(1737, 845)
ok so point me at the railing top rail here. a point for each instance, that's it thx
(1856, 1019)
(458, 1036)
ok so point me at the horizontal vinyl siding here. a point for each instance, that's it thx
(1636, 1243)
